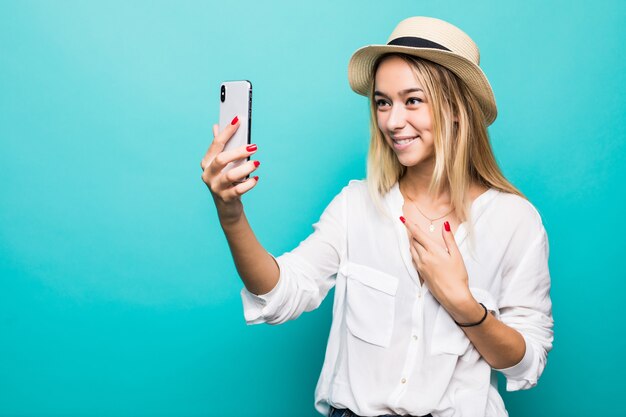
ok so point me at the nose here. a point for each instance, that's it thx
(397, 118)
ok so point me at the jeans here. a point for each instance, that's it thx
(347, 413)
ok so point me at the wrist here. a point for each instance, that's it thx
(467, 310)
(230, 222)
(229, 214)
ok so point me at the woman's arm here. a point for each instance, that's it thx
(500, 345)
(257, 269)
(517, 341)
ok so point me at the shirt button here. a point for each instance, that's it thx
(414, 337)
(403, 380)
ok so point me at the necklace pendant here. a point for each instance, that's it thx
(431, 227)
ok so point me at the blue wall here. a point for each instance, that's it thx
(118, 296)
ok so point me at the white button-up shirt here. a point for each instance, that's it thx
(392, 348)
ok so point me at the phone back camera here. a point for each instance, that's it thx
(223, 93)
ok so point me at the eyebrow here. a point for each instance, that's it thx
(403, 92)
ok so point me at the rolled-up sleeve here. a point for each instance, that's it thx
(307, 272)
(525, 306)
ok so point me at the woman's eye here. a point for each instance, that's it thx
(381, 103)
(414, 101)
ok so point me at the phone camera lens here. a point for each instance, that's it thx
(223, 94)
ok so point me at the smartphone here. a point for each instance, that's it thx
(236, 100)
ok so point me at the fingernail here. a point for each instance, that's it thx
(402, 219)
(256, 178)
(257, 163)
(447, 226)
(234, 121)
(251, 148)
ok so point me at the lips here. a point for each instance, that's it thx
(403, 142)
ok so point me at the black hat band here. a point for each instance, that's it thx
(416, 43)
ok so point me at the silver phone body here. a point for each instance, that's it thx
(236, 100)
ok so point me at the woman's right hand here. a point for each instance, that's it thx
(228, 187)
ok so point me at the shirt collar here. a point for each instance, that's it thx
(395, 201)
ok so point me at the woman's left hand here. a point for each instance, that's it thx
(442, 269)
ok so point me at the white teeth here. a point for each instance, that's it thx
(404, 141)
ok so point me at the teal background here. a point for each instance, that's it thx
(118, 296)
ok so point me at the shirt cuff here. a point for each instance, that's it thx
(255, 307)
(517, 375)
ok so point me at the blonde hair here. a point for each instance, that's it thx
(463, 153)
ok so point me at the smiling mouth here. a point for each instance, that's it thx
(404, 141)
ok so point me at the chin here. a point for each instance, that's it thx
(410, 160)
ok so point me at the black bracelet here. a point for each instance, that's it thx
(473, 324)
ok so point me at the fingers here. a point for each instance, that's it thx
(225, 157)
(419, 250)
(219, 141)
(237, 174)
(417, 234)
(240, 189)
(415, 257)
(419, 254)
(448, 238)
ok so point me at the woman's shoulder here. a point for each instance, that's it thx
(516, 205)
(516, 212)
(358, 195)
(348, 192)
(359, 192)
(354, 188)
(357, 184)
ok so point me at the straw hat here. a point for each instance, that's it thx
(436, 41)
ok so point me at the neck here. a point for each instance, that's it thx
(416, 181)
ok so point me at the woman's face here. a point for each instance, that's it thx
(402, 112)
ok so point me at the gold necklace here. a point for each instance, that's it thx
(431, 228)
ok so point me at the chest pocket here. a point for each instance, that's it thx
(370, 309)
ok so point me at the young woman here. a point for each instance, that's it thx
(419, 253)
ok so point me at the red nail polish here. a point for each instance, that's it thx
(234, 121)
(256, 178)
(402, 219)
(257, 163)
(447, 226)
(251, 148)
